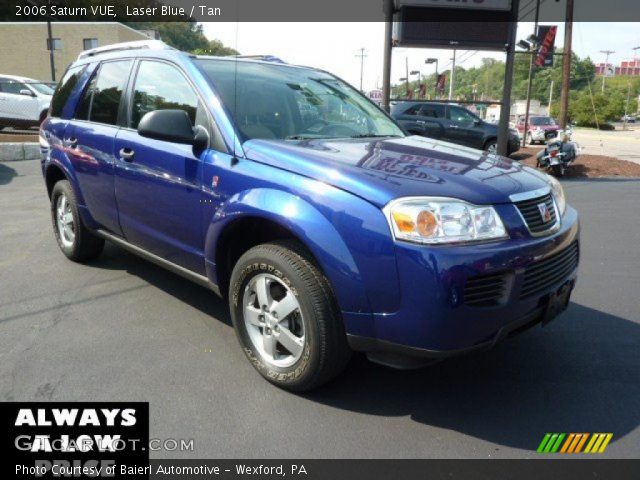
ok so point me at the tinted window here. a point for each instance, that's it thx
(433, 111)
(11, 86)
(101, 99)
(542, 121)
(160, 86)
(413, 110)
(461, 115)
(64, 89)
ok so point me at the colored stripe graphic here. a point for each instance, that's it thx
(552, 442)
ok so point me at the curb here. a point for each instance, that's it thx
(15, 152)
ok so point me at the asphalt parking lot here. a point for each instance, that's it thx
(121, 329)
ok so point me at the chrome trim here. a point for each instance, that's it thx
(172, 267)
(554, 228)
(521, 197)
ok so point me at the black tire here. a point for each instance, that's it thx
(530, 139)
(325, 351)
(558, 170)
(85, 245)
(491, 144)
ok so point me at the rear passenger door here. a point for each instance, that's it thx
(89, 140)
(158, 183)
(430, 117)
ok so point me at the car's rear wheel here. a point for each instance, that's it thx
(491, 146)
(74, 239)
(286, 318)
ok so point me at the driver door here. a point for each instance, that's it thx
(157, 182)
(462, 128)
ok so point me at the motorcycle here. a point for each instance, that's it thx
(559, 153)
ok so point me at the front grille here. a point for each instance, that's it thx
(533, 216)
(485, 290)
(546, 273)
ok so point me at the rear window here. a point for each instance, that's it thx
(64, 89)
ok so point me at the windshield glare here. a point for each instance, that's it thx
(290, 103)
(41, 88)
(538, 121)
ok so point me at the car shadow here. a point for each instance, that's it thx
(6, 174)
(580, 373)
(116, 258)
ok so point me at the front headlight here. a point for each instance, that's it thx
(432, 220)
(558, 194)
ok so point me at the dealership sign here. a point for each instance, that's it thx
(547, 38)
(504, 5)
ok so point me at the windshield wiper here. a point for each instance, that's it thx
(373, 135)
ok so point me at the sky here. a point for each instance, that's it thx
(334, 46)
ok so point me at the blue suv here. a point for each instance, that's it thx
(291, 195)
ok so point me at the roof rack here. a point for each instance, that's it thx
(116, 47)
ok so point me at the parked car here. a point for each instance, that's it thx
(629, 118)
(23, 101)
(329, 236)
(540, 129)
(451, 123)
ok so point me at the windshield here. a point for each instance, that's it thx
(540, 121)
(41, 88)
(290, 103)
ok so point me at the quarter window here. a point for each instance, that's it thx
(64, 89)
(101, 99)
(160, 86)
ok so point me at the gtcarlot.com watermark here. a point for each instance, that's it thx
(99, 443)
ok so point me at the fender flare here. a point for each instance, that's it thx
(306, 224)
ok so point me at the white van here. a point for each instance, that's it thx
(24, 102)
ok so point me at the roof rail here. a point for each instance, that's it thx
(263, 58)
(137, 45)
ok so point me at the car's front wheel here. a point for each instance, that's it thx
(74, 239)
(286, 318)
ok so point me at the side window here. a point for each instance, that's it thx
(64, 89)
(160, 86)
(414, 110)
(101, 99)
(429, 111)
(460, 115)
(11, 86)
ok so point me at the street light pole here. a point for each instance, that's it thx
(566, 66)
(362, 55)
(453, 75)
(606, 65)
(386, 68)
(530, 83)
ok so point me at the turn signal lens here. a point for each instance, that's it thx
(403, 221)
(437, 220)
(427, 223)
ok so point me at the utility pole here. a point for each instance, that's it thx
(505, 109)
(386, 68)
(406, 66)
(566, 66)
(531, 70)
(362, 56)
(606, 65)
(550, 97)
(453, 75)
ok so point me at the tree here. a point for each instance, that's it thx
(216, 48)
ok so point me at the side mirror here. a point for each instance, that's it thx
(168, 125)
(26, 92)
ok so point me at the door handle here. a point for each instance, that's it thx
(127, 154)
(71, 142)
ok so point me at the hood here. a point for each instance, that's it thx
(380, 170)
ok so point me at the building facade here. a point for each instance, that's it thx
(24, 52)
(629, 67)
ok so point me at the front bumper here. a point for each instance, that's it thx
(435, 321)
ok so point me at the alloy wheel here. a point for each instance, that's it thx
(273, 320)
(64, 221)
